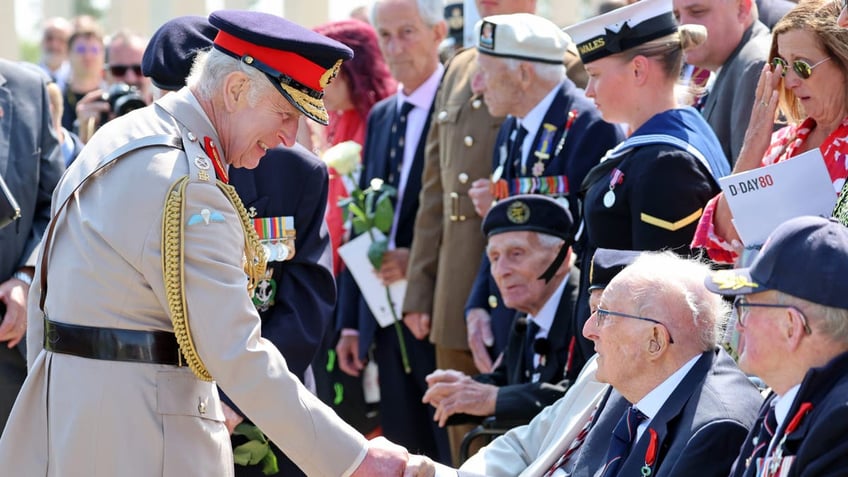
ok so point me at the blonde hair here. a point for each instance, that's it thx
(668, 50)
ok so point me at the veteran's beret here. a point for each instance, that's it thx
(529, 212)
(522, 36)
(170, 53)
(606, 263)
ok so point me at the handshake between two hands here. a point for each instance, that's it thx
(387, 459)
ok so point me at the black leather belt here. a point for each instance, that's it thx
(112, 344)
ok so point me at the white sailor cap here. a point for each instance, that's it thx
(622, 29)
(522, 36)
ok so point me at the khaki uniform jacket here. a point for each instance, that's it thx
(448, 242)
(78, 416)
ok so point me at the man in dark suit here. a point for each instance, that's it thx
(736, 48)
(286, 193)
(409, 32)
(529, 248)
(30, 164)
(655, 332)
(552, 136)
(792, 310)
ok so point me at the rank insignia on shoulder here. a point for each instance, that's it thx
(206, 216)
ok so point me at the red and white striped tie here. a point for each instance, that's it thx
(574, 447)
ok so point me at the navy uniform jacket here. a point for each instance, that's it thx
(588, 138)
(659, 199)
(520, 398)
(818, 445)
(292, 182)
(698, 428)
(353, 311)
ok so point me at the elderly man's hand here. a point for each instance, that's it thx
(347, 352)
(384, 459)
(478, 323)
(13, 294)
(420, 466)
(418, 324)
(452, 392)
(481, 196)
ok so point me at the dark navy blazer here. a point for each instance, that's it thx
(587, 140)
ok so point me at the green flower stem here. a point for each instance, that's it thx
(397, 324)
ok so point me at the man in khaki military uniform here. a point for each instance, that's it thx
(151, 255)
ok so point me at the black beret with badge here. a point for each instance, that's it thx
(532, 213)
(606, 263)
(622, 29)
(299, 62)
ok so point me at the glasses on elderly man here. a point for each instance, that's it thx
(601, 316)
(121, 70)
(742, 307)
(801, 67)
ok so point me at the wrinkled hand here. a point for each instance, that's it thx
(457, 396)
(347, 353)
(418, 324)
(479, 326)
(760, 128)
(384, 459)
(394, 265)
(420, 466)
(481, 196)
(13, 293)
(231, 418)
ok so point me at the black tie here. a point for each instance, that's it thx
(532, 330)
(396, 140)
(515, 153)
(622, 438)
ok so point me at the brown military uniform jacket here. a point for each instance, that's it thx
(448, 242)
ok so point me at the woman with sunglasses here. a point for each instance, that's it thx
(807, 80)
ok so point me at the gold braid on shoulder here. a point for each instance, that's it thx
(173, 265)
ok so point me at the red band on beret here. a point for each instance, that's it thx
(290, 64)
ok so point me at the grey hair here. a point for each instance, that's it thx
(549, 241)
(547, 72)
(431, 11)
(211, 68)
(828, 320)
(656, 279)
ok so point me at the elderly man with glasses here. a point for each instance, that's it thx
(792, 307)
(672, 407)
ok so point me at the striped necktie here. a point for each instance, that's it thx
(622, 438)
(573, 447)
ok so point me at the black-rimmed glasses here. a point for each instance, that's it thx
(803, 69)
(601, 316)
(742, 314)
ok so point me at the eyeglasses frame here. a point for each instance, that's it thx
(599, 320)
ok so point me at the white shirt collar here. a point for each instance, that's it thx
(545, 318)
(651, 404)
(533, 120)
(423, 95)
(782, 404)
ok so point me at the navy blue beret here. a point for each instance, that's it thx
(606, 263)
(298, 61)
(529, 212)
(170, 53)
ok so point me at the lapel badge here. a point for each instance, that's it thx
(265, 291)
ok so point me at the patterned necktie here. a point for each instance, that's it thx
(396, 139)
(768, 426)
(622, 438)
(573, 447)
(515, 154)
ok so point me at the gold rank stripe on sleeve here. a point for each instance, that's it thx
(672, 226)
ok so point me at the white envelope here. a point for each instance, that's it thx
(355, 256)
(763, 198)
